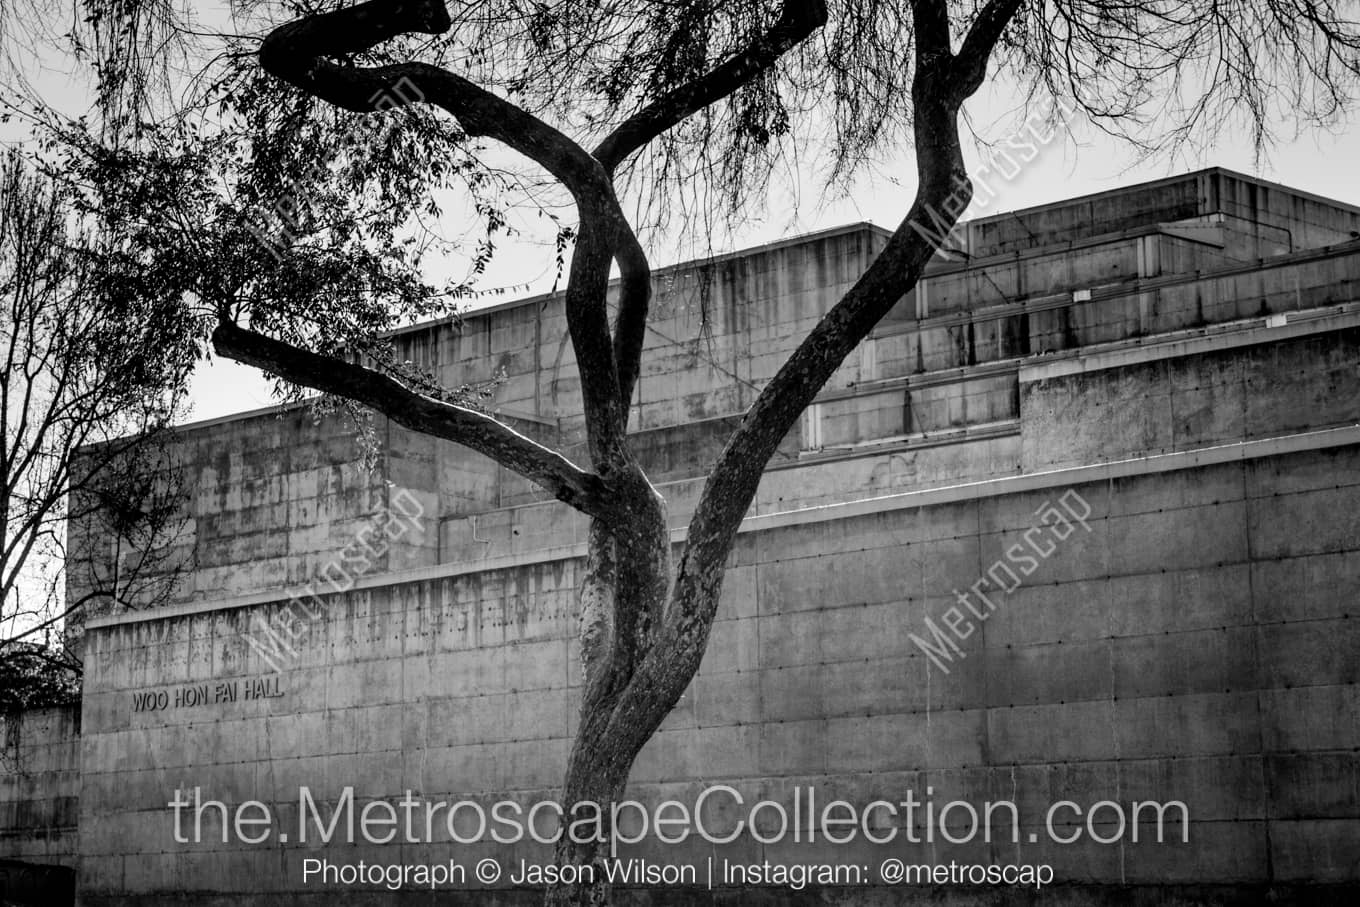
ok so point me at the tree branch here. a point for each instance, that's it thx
(943, 192)
(294, 52)
(978, 44)
(588, 324)
(797, 20)
(477, 431)
(630, 328)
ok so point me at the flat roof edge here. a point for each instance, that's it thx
(1164, 181)
(863, 226)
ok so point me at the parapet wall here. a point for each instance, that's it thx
(1308, 220)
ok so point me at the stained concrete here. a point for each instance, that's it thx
(1167, 351)
(1193, 646)
(40, 785)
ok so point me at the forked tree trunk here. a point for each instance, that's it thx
(643, 630)
(586, 783)
(622, 596)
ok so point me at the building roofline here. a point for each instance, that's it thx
(1282, 187)
(786, 242)
(870, 227)
(795, 240)
(540, 298)
(273, 409)
(1167, 180)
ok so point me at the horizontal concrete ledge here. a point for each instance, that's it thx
(918, 441)
(1285, 326)
(1343, 436)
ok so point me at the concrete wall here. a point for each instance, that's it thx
(1183, 247)
(893, 435)
(1311, 221)
(1191, 401)
(273, 500)
(1168, 353)
(1124, 311)
(276, 497)
(40, 786)
(918, 433)
(718, 329)
(1195, 644)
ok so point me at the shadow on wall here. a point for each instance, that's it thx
(25, 884)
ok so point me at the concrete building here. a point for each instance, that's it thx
(1077, 524)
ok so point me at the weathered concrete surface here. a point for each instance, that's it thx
(1269, 389)
(1312, 221)
(1127, 305)
(39, 795)
(278, 496)
(1169, 400)
(1196, 644)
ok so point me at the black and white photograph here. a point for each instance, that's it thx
(680, 453)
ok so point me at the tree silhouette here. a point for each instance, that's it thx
(662, 105)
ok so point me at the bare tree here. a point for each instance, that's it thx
(629, 100)
(86, 392)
